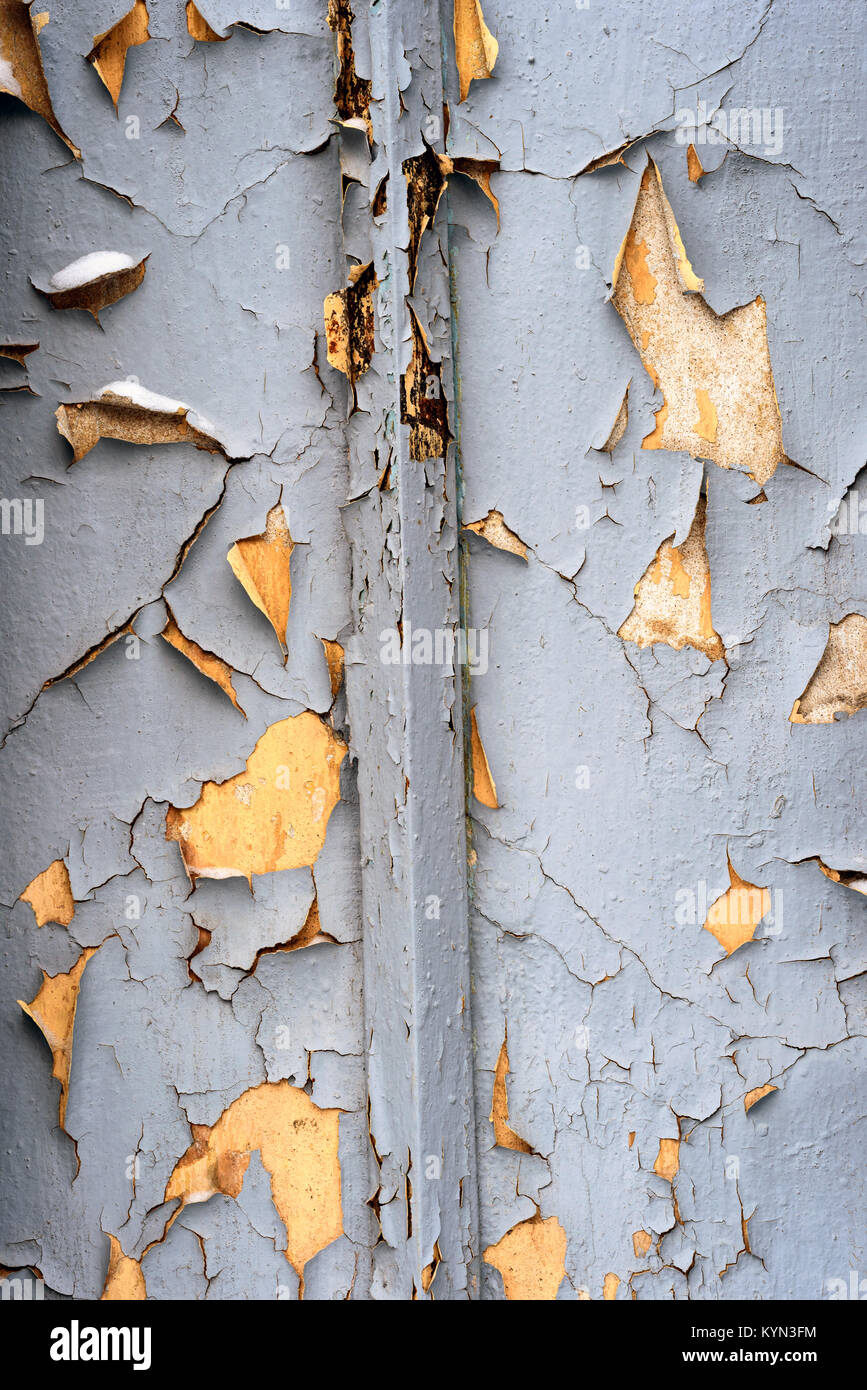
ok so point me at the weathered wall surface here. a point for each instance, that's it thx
(543, 329)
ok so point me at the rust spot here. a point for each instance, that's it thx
(350, 323)
(422, 403)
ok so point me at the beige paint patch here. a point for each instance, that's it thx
(25, 77)
(199, 28)
(476, 48)
(124, 1280)
(734, 916)
(484, 787)
(84, 423)
(298, 1145)
(53, 1012)
(350, 324)
(641, 1243)
(504, 1136)
(839, 683)
(673, 597)
(668, 1159)
(50, 895)
(531, 1258)
(261, 564)
(109, 51)
(210, 665)
(99, 293)
(494, 530)
(688, 349)
(271, 816)
(753, 1097)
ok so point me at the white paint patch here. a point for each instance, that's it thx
(91, 267)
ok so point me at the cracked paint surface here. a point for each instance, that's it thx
(604, 1044)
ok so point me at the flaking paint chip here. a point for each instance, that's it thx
(94, 281)
(349, 324)
(21, 71)
(271, 816)
(210, 665)
(839, 683)
(758, 1093)
(351, 92)
(734, 916)
(53, 1011)
(298, 1145)
(426, 176)
(110, 48)
(531, 1258)
(641, 1243)
(422, 403)
(198, 27)
(261, 564)
(713, 370)
(856, 879)
(17, 352)
(334, 658)
(694, 167)
(504, 1136)
(50, 895)
(484, 787)
(494, 530)
(673, 597)
(126, 411)
(476, 49)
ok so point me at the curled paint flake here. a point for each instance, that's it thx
(216, 670)
(484, 787)
(53, 1011)
(110, 48)
(21, 71)
(476, 49)
(94, 281)
(504, 1136)
(494, 530)
(261, 564)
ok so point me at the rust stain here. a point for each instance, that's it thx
(531, 1258)
(262, 565)
(422, 403)
(839, 683)
(426, 176)
(351, 92)
(271, 816)
(25, 78)
(734, 916)
(109, 51)
(688, 349)
(350, 324)
(50, 895)
(53, 1011)
(673, 597)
